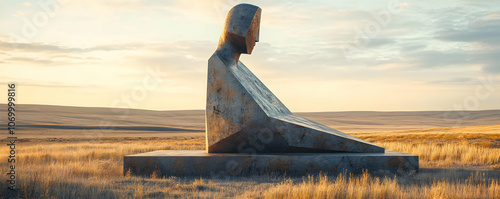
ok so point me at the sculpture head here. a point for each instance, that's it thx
(241, 29)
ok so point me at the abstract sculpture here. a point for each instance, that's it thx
(243, 115)
(249, 131)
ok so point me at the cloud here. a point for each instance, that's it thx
(492, 67)
(30, 60)
(33, 47)
(377, 42)
(52, 48)
(48, 84)
(458, 80)
(460, 36)
(483, 31)
(490, 60)
(436, 58)
(436, 44)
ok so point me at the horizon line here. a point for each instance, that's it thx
(106, 107)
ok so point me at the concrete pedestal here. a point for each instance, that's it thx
(201, 163)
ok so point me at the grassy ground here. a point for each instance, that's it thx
(459, 162)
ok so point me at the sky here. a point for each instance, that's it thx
(371, 55)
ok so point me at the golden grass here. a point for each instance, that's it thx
(85, 169)
(366, 186)
(94, 159)
(473, 134)
(440, 155)
(445, 146)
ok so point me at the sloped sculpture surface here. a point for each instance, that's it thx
(244, 116)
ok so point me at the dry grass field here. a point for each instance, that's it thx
(47, 121)
(458, 162)
(60, 156)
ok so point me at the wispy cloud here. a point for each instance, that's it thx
(430, 47)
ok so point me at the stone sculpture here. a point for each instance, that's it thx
(249, 131)
(243, 115)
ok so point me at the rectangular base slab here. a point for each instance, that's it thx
(201, 163)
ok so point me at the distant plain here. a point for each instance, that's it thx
(77, 152)
(45, 121)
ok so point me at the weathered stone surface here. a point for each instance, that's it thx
(198, 162)
(243, 115)
(249, 130)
